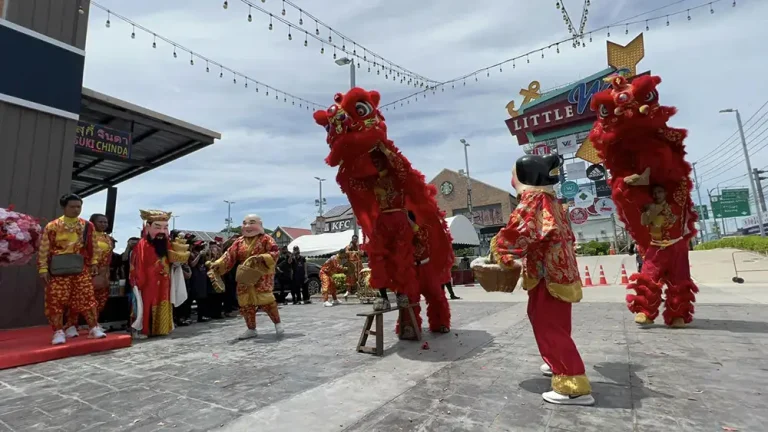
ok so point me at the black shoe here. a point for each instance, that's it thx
(307, 301)
(203, 319)
(455, 298)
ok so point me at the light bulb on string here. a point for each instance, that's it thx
(369, 68)
(250, 17)
(647, 28)
(734, 3)
(174, 52)
(330, 38)
(710, 9)
(513, 64)
(191, 59)
(465, 82)
(334, 52)
(358, 65)
(354, 49)
(487, 73)
(277, 96)
(378, 71)
(609, 32)
(527, 59)
(290, 37)
(306, 38)
(221, 71)
(133, 33)
(626, 29)
(225, 5)
(154, 40)
(301, 17)
(108, 24)
(343, 44)
(542, 53)
(558, 48)
(475, 77)
(270, 22)
(267, 93)
(207, 66)
(317, 29)
(590, 36)
(283, 12)
(689, 14)
(246, 83)
(322, 49)
(557, 5)
(500, 69)
(667, 20)
(234, 78)
(257, 88)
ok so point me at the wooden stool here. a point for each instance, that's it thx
(379, 332)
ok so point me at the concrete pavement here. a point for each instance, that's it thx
(482, 376)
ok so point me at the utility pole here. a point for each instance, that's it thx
(758, 183)
(705, 234)
(749, 167)
(469, 179)
(229, 217)
(351, 62)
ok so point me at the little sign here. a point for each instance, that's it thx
(595, 172)
(602, 189)
(101, 139)
(569, 189)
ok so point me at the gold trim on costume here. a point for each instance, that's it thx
(569, 293)
(494, 255)
(269, 261)
(577, 385)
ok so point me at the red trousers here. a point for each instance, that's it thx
(551, 322)
(662, 266)
(390, 254)
(73, 293)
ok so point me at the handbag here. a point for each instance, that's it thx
(69, 264)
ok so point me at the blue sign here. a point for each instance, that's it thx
(569, 189)
(581, 95)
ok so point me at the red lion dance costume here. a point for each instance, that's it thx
(382, 187)
(651, 187)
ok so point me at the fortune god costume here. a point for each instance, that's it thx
(151, 277)
(262, 250)
(74, 292)
(382, 186)
(539, 232)
(337, 264)
(651, 187)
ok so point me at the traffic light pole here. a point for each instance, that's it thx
(701, 206)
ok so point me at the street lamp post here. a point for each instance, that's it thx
(343, 62)
(469, 179)
(229, 217)
(320, 201)
(749, 167)
(173, 226)
(348, 61)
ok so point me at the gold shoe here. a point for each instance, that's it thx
(642, 319)
(677, 323)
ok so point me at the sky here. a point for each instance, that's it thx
(271, 151)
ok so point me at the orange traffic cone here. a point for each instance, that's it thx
(624, 278)
(603, 281)
(587, 278)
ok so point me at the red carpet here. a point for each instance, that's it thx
(26, 346)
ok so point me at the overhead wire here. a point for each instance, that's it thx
(716, 151)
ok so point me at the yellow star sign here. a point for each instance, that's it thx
(626, 57)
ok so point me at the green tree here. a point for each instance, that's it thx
(239, 230)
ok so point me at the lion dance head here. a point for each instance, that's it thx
(631, 105)
(355, 127)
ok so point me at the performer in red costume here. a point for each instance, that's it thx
(430, 286)
(382, 186)
(651, 187)
(539, 232)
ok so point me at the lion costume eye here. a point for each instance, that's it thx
(604, 111)
(363, 109)
(651, 96)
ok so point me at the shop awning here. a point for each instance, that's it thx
(462, 231)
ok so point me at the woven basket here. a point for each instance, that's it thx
(249, 272)
(178, 257)
(494, 278)
(216, 281)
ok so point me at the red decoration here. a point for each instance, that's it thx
(19, 237)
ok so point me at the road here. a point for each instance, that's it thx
(483, 376)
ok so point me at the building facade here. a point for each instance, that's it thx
(337, 219)
(285, 235)
(491, 206)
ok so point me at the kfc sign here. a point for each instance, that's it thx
(338, 226)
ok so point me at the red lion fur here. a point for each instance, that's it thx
(630, 135)
(355, 127)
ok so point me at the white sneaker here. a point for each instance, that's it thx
(58, 338)
(546, 370)
(138, 335)
(346, 294)
(328, 304)
(71, 332)
(556, 398)
(97, 333)
(248, 334)
(337, 302)
(279, 329)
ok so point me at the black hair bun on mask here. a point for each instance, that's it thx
(535, 170)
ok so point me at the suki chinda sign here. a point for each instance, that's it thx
(95, 138)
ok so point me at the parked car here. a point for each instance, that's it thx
(313, 276)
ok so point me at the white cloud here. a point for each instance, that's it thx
(271, 150)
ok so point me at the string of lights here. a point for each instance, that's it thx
(382, 66)
(526, 57)
(578, 35)
(248, 81)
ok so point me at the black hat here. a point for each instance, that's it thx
(535, 170)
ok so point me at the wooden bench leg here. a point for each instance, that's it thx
(415, 323)
(380, 335)
(364, 335)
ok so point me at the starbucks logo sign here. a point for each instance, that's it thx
(446, 188)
